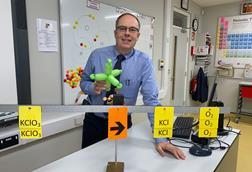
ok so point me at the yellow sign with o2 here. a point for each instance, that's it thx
(163, 122)
(209, 113)
(30, 122)
(208, 122)
(208, 132)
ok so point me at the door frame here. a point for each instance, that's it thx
(170, 70)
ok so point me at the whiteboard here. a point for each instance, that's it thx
(8, 86)
(87, 25)
(234, 41)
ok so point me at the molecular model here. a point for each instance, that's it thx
(73, 77)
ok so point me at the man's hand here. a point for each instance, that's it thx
(163, 147)
(99, 86)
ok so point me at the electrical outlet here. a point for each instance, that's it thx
(78, 121)
(161, 63)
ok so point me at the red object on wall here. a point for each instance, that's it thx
(193, 85)
(193, 50)
(246, 92)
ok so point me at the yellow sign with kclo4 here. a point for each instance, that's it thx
(163, 121)
(30, 122)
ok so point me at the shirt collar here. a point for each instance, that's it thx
(128, 55)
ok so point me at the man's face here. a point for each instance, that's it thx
(126, 34)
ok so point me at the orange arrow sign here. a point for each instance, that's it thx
(117, 123)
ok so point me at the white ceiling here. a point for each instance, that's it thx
(207, 3)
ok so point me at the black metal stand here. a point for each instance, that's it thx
(221, 130)
(200, 148)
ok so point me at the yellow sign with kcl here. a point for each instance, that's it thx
(163, 122)
(30, 122)
(208, 122)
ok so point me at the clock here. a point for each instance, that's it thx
(195, 24)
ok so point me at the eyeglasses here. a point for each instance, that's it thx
(124, 29)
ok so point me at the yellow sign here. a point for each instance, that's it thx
(163, 117)
(209, 113)
(163, 122)
(30, 122)
(208, 133)
(117, 123)
(163, 132)
(29, 133)
(208, 122)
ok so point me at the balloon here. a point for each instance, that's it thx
(109, 76)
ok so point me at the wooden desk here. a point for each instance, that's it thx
(139, 155)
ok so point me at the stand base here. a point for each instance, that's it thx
(200, 150)
(115, 167)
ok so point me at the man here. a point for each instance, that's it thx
(137, 73)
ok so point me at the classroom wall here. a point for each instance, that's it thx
(227, 88)
(45, 67)
(46, 85)
(46, 74)
(195, 12)
(8, 87)
(208, 23)
(46, 82)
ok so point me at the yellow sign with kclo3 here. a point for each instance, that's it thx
(30, 122)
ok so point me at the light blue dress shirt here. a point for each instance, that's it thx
(137, 73)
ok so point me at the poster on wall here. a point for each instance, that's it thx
(89, 26)
(47, 35)
(234, 41)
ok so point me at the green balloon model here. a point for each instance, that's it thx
(109, 76)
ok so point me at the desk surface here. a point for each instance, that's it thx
(138, 154)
